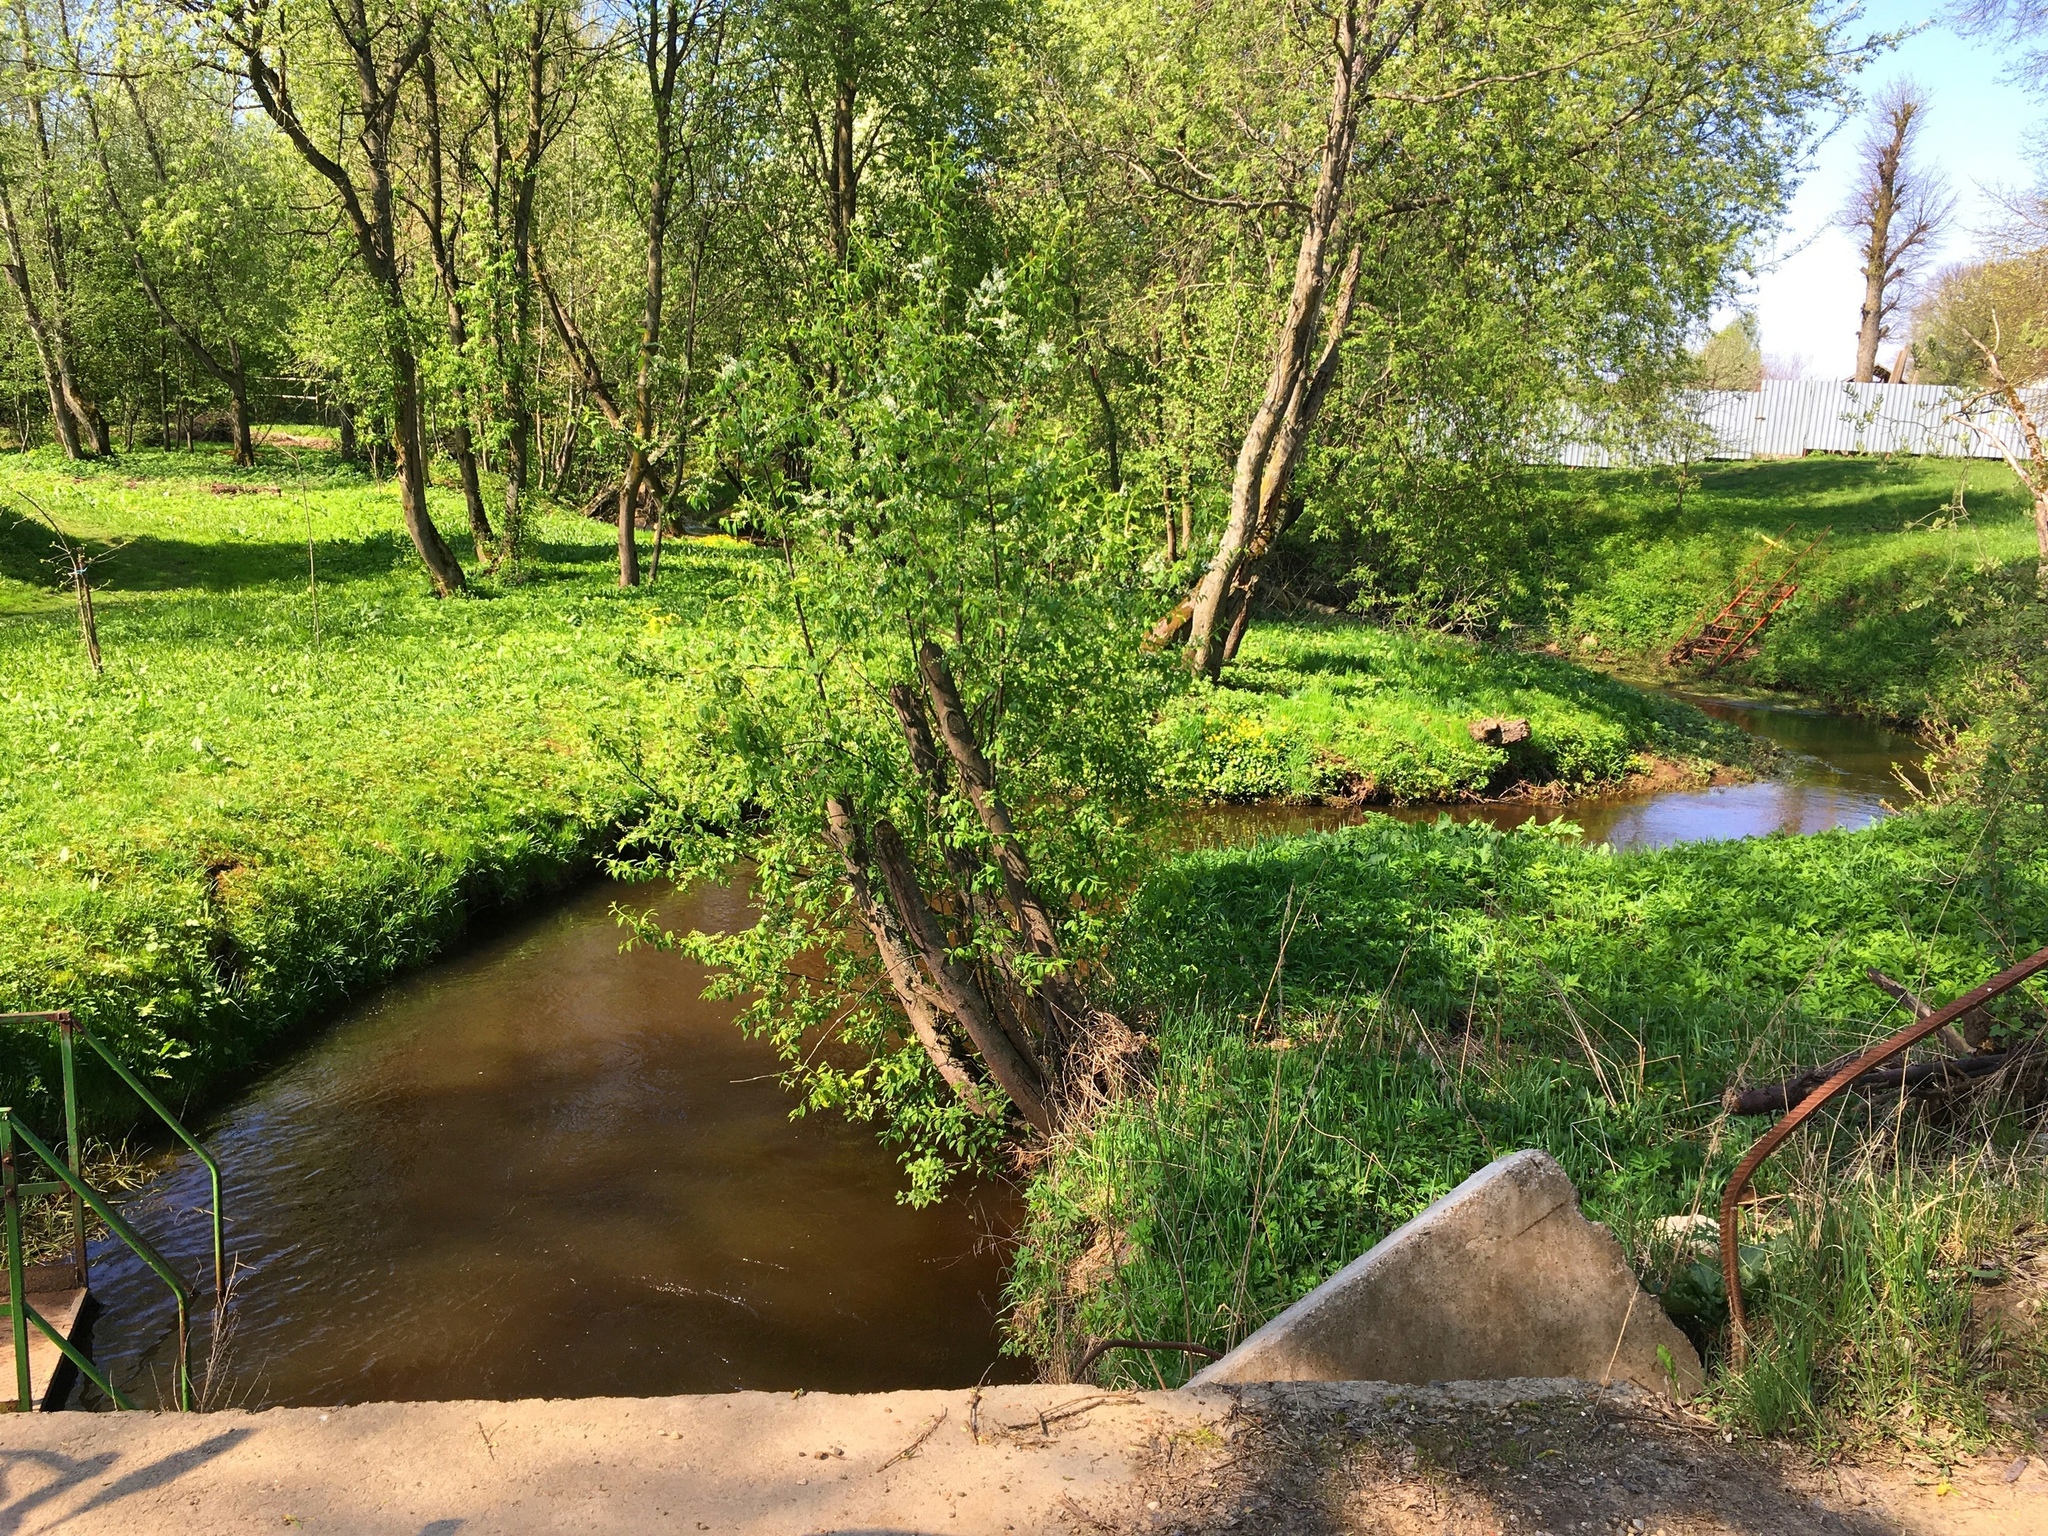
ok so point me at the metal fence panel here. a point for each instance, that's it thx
(1787, 418)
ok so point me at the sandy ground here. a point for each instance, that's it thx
(1503, 1457)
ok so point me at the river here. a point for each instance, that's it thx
(543, 1168)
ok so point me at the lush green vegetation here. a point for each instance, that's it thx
(1919, 555)
(1350, 1024)
(252, 814)
(1335, 709)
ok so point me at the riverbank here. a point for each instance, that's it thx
(1295, 1460)
(1349, 1024)
(1919, 555)
(301, 775)
(1338, 711)
(284, 790)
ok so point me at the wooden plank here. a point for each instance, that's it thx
(62, 1309)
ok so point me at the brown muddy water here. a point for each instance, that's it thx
(546, 1169)
(1837, 772)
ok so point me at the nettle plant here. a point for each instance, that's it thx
(917, 751)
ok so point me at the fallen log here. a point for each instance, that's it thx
(1777, 1098)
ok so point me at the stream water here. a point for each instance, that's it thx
(546, 1169)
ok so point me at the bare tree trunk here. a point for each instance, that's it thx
(629, 502)
(898, 963)
(1287, 410)
(64, 421)
(244, 451)
(845, 189)
(1246, 590)
(409, 442)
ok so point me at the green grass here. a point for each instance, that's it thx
(1450, 994)
(1897, 581)
(236, 827)
(1326, 709)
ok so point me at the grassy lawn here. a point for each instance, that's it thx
(240, 823)
(1335, 709)
(1898, 579)
(1450, 994)
(283, 790)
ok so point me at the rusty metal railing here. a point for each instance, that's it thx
(1771, 1140)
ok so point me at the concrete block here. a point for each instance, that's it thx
(1501, 1277)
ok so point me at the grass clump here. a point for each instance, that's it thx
(1918, 554)
(247, 819)
(1332, 709)
(1356, 1022)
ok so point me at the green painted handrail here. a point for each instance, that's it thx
(68, 1027)
(17, 1300)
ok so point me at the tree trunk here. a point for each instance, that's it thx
(244, 451)
(1246, 590)
(845, 189)
(1870, 331)
(472, 488)
(898, 963)
(629, 502)
(1287, 408)
(49, 352)
(409, 441)
(957, 989)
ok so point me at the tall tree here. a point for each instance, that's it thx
(675, 109)
(1566, 182)
(444, 226)
(1896, 212)
(859, 78)
(36, 222)
(369, 55)
(194, 201)
(520, 59)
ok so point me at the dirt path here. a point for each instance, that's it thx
(1516, 1457)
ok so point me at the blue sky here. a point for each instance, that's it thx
(1978, 130)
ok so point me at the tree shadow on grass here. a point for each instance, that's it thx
(30, 555)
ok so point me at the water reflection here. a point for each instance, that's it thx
(546, 1169)
(1839, 772)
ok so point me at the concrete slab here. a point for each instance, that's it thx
(1502, 1277)
(61, 1309)
(1285, 1459)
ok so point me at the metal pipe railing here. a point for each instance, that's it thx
(1771, 1140)
(17, 1300)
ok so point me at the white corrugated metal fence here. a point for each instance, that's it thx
(1790, 417)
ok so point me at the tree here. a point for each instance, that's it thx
(1732, 357)
(677, 53)
(933, 720)
(196, 202)
(359, 58)
(859, 78)
(40, 223)
(1571, 183)
(522, 63)
(1897, 212)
